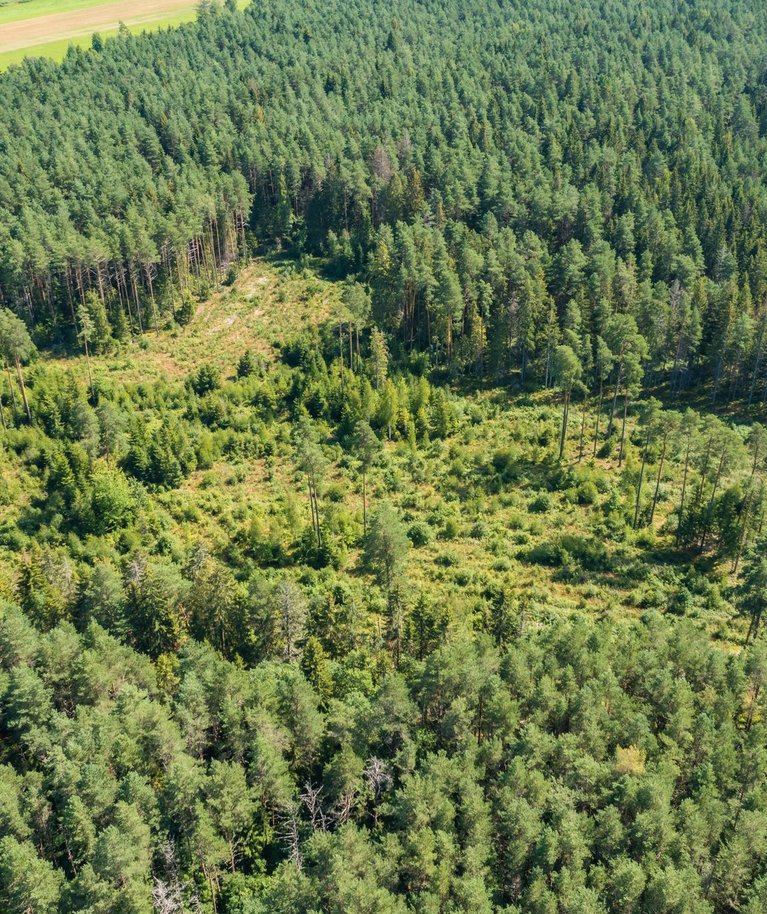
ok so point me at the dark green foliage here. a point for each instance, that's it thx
(575, 761)
(495, 221)
(386, 546)
(541, 213)
(205, 380)
(246, 365)
(420, 534)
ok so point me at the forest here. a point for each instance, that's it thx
(383, 463)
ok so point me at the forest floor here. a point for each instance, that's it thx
(46, 28)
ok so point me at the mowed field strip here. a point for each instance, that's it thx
(105, 17)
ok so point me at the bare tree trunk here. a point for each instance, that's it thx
(13, 394)
(148, 271)
(746, 511)
(615, 400)
(641, 480)
(90, 373)
(599, 416)
(583, 429)
(657, 481)
(710, 511)
(563, 435)
(684, 492)
(623, 429)
(23, 389)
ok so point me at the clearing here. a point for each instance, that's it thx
(267, 302)
(491, 494)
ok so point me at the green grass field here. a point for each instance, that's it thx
(19, 10)
(55, 49)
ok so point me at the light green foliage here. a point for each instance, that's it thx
(386, 546)
(228, 684)
(28, 885)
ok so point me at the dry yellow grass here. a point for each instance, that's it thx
(264, 305)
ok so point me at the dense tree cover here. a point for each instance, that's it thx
(377, 679)
(579, 768)
(508, 177)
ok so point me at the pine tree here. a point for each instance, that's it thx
(367, 448)
(566, 370)
(16, 347)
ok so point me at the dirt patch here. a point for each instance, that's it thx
(27, 33)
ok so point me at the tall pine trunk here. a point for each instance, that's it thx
(623, 429)
(657, 481)
(23, 389)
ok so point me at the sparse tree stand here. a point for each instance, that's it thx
(356, 298)
(380, 357)
(2, 412)
(16, 346)
(631, 386)
(649, 420)
(14, 405)
(669, 423)
(756, 671)
(730, 445)
(629, 350)
(566, 370)
(658, 425)
(386, 547)
(688, 431)
(604, 365)
(291, 608)
(752, 590)
(758, 442)
(584, 392)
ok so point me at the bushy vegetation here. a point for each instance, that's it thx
(573, 768)
(382, 479)
(304, 631)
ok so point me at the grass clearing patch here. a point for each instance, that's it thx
(46, 28)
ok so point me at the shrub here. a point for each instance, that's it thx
(206, 379)
(451, 529)
(420, 534)
(503, 460)
(335, 492)
(186, 312)
(541, 503)
(586, 553)
(447, 559)
(607, 449)
(587, 492)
